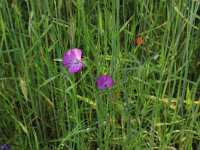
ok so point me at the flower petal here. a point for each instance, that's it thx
(101, 81)
(68, 60)
(75, 67)
(70, 52)
(72, 59)
(104, 81)
(77, 53)
(109, 81)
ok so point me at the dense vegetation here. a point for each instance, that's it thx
(154, 102)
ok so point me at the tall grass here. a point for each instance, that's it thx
(154, 103)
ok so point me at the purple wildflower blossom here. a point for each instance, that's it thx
(72, 59)
(104, 81)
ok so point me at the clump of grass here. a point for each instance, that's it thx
(154, 102)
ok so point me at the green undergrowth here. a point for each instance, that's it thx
(154, 102)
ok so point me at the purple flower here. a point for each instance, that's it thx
(72, 59)
(104, 81)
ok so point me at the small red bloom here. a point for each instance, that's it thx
(139, 40)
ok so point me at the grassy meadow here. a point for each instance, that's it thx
(154, 102)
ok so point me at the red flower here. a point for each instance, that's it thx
(139, 40)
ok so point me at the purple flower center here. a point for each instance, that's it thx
(76, 61)
(105, 84)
